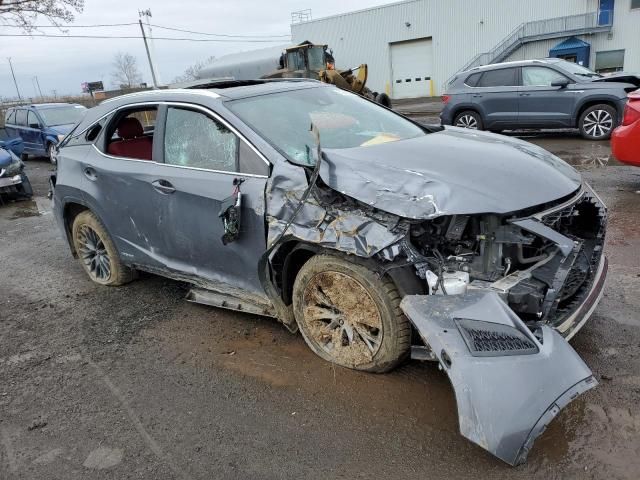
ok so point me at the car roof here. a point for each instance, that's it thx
(516, 63)
(42, 106)
(219, 89)
(212, 91)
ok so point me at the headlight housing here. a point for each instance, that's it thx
(14, 168)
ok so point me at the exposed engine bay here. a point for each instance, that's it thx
(538, 262)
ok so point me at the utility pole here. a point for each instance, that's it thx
(38, 83)
(14, 79)
(146, 46)
(149, 44)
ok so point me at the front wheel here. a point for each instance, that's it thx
(350, 316)
(468, 119)
(97, 253)
(597, 122)
(51, 153)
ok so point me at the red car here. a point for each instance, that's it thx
(625, 140)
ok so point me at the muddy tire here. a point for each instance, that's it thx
(597, 122)
(350, 316)
(97, 253)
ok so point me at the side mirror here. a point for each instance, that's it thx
(34, 125)
(562, 83)
(230, 214)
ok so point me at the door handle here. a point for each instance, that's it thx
(476, 95)
(163, 186)
(90, 173)
(525, 94)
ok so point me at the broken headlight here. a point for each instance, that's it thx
(487, 339)
(14, 168)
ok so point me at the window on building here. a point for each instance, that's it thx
(540, 76)
(635, 4)
(504, 77)
(610, 61)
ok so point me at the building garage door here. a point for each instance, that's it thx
(411, 68)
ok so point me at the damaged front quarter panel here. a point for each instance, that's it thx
(348, 228)
(508, 384)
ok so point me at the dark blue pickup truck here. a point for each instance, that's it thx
(42, 126)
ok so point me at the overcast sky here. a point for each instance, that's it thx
(62, 64)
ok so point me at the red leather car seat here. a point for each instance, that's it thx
(133, 143)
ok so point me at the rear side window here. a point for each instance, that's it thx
(472, 80)
(11, 117)
(505, 77)
(21, 118)
(193, 139)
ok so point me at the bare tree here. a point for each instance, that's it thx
(125, 72)
(192, 72)
(24, 13)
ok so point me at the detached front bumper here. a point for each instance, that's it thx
(509, 383)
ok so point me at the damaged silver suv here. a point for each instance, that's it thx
(376, 237)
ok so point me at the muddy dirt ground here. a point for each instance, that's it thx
(135, 382)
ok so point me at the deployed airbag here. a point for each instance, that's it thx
(508, 384)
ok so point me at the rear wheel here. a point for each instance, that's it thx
(97, 253)
(349, 316)
(468, 119)
(597, 122)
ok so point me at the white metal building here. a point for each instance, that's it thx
(414, 47)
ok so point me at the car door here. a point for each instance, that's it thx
(34, 132)
(204, 161)
(496, 96)
(541, 104)
(118, 185)
(22, 130)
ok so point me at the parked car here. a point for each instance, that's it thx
(549, 93)
(625, 140)
(357, 226)
(42, 126)
(13, 181)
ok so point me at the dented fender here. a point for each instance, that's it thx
(508, 384)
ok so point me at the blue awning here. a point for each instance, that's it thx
(569, 44)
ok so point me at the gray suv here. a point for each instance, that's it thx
(376, 237)
(548, 93)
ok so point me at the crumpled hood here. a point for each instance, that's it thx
(5, 158)
(454, 171)
(61, 129)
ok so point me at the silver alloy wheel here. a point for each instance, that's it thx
(94, 253)
(467, 121)
(598, 123)
(50, 151)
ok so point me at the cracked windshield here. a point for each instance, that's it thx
(343, 119)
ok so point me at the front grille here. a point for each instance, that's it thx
(494, 339)
(583, 221)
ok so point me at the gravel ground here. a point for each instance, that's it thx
(135, 382)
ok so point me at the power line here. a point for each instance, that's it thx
(217, 34)
(100, 25)
(132, 37)
(62, 27)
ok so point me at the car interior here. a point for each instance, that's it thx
(132, 136)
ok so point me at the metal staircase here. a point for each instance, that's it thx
(594, 22)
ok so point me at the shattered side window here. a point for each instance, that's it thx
(193, 139)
